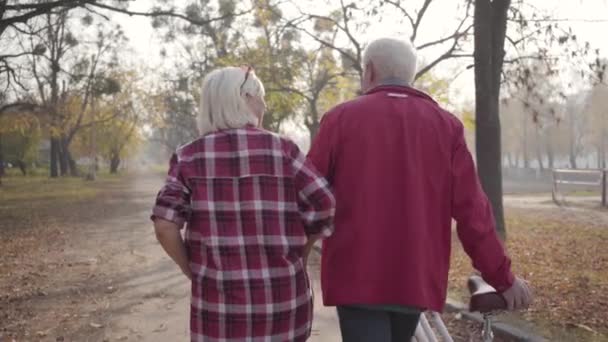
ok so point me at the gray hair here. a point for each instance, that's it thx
(392, 59)
(222, 104)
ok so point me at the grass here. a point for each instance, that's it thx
(583, 193)
(562, 254)
(35, 188)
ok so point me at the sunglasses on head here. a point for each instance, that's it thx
(248, 69)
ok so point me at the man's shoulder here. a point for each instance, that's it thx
(349, 106)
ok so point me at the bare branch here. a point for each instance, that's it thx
(457, 35)
(18, 106)
(161, 13)
(397, 5)
(421, 13)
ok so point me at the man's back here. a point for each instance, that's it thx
(390, 157)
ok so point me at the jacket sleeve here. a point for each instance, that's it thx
(322, 147)
(475, 220)
(316, 202)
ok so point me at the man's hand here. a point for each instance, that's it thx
(518, 296)
(308, 247)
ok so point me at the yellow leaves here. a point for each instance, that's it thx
(22, 122)
(562, 254)
(438, 88)
(468, 120)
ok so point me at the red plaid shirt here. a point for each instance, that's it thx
(249, 198)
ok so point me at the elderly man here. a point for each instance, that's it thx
(401, 170)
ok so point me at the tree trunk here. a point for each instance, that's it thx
(114, 163)
(572, 136)
(70, 164)
(2, 172)
(313, 125)
(63, 158)
(539, 153)
(54, 158)
(510, 160)
(22, 167)
(525, 143)
(550, 152)
(490, 30)
(313, 129)
(602, 156)
(572, 159)
(73, 167)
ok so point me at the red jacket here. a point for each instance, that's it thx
(400, 170)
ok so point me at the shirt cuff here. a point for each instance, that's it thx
(167, 214)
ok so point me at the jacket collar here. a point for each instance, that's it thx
(397, 86)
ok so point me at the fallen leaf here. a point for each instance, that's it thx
(161, 328)
(582, 326)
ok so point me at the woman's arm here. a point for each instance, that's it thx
(167, 233)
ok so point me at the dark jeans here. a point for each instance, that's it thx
(365, 325)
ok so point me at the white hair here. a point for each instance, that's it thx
(222, 104)
(392, 59)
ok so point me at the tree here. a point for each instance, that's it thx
(575, 120)
(490, 23)
(71, 65)
(20, 135)
(119, 136)
(277, 59)
(598, 120)
(201, 44)
(351, 18)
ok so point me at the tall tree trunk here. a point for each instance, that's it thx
(510, 160)
(549, 147)
(54, 157)
(572, 138)
(313, 125)
(313, 128)
(114, 163)
(63, 158)
(490, 24)
(602, 156)
(1, 160)
(525, 142)
(572, 158)
(22, 167)
(70, 164)
(539, 152)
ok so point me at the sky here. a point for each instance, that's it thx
(587, 18)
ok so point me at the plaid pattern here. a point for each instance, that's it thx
(249, 198)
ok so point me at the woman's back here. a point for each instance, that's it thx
(250, 199)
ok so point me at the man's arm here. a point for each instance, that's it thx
(167, 233)
(476, 226)
(322, 148)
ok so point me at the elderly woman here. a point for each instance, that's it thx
(253, 205)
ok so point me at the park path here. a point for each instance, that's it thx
(150, 299)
